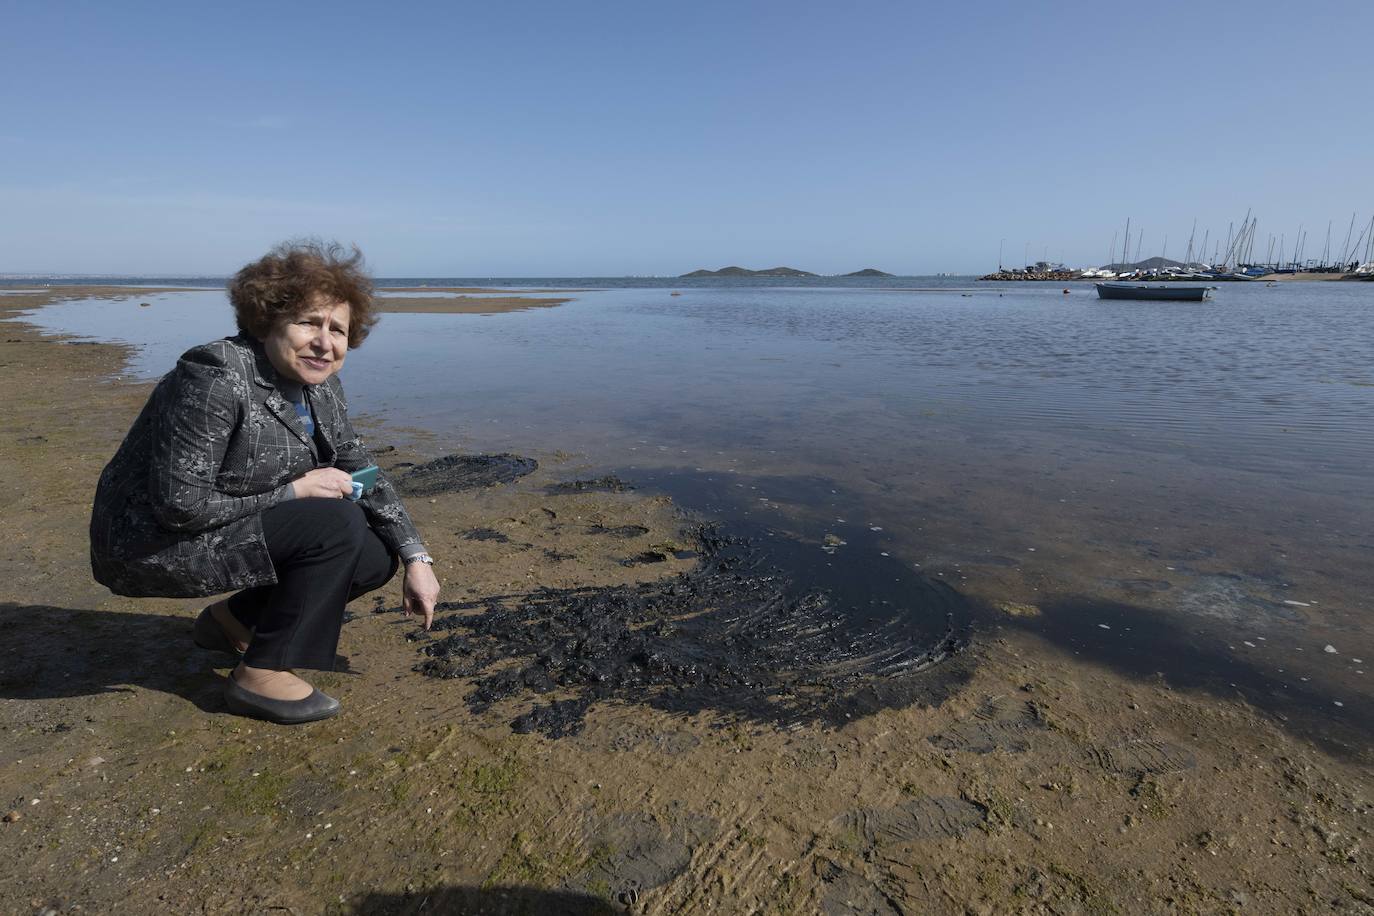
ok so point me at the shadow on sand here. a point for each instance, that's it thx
(1160, 648)
(53, 652)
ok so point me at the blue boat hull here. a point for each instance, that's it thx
(1162, 292)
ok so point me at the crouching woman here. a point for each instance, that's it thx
(236, 478)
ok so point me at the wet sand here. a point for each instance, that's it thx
(401, 290)
(456, 300)
(1043, 780)
(462, 305)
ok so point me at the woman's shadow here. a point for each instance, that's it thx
(54, 652)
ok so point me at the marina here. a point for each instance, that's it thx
(1234, 263)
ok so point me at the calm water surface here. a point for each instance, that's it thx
(1204, 465)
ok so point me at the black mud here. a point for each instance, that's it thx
(733, 637)
(453, 473)
(646, 556)
(486, 534)
(625, 532)
(608, 484)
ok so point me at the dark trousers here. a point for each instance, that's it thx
(325, 555)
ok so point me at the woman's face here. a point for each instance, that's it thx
(310, 347)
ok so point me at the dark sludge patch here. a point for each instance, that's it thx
(625, 532)
(454, 473)
(730, 637)
(486, 534)
(558, 719)
(608, 484)
(645, 556)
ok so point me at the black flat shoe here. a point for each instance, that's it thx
(283, 712)
(208, 635)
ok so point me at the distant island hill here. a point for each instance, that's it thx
(778, 272)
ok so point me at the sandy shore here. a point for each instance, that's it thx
(461, 305)
(460, 300)
(1047, 783)
(1303, 277)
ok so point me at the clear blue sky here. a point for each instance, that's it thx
(544, 139)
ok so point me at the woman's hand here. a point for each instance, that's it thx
(323, 483)
(419, 591)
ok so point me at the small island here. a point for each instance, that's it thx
(868, 272)
(745, 272)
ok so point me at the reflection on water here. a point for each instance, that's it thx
(1207, 460)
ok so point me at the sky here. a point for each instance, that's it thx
(534, 139)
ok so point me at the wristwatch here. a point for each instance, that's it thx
(420, 558)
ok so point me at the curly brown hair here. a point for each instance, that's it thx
(281, 285)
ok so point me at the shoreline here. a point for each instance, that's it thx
(463, 305)
(1073, 276)
(1047, 782)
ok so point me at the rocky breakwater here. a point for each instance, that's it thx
(1034, 275)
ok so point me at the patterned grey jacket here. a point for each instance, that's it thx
(178, 509)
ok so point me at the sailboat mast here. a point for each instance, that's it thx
(1368, 231)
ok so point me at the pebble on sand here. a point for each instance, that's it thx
(1330, 649)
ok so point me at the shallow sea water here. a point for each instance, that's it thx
(1197, 473)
